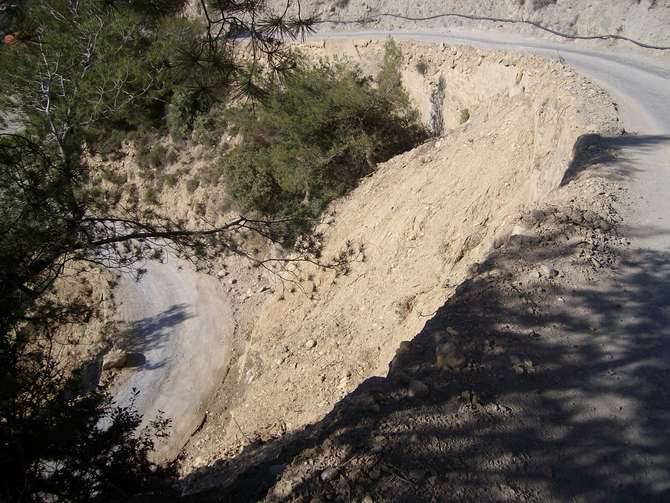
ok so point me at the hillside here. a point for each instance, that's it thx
(428, 223)
(642, 20)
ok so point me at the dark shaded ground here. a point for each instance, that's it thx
(608, 152)
(149, 335)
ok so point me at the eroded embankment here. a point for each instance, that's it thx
(424, 220)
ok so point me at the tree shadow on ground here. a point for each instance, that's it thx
(151, 333)
(612, 156)
(136, 339)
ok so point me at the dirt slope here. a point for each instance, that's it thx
(424, 220)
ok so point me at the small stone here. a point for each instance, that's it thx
(222, 273)
(548, 272)
(310, 344)
(448, 357)
(367, 499)
(232, 281)
(115, 359)
(418, 389)
(329, 474)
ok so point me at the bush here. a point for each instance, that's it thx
(150, 154)
(421, 67)
(192, 184)
(313, 140)
(182, 112)
(389, 78)
(208, 129)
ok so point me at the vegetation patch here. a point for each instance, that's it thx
(313, 139)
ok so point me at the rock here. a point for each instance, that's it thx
(474, 269)
(222, 273)
(500, 241)
(344, 382)
(548, 272)
(115, 359)
(310, 344)
(367, 499)
(525, 366)
(329, 474)
(232, 281)
(418, 389)
(448, 357)
(604, 225)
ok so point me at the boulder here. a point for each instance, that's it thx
(449, 357)
(418, 389)
(115, 359)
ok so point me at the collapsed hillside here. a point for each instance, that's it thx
(423, 223)
(642, 20)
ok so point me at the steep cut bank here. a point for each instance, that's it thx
(644, 21)
(423, 222)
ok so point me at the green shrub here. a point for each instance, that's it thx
(184, 108)
(208, 129)
(312, 140)
(150, 153)
(151, 195)
(171, 180)
(421, 66)
(114, 177)
(192, 184)
(389, 78)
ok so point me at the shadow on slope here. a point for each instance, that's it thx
(612, 156)
(148, 334)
